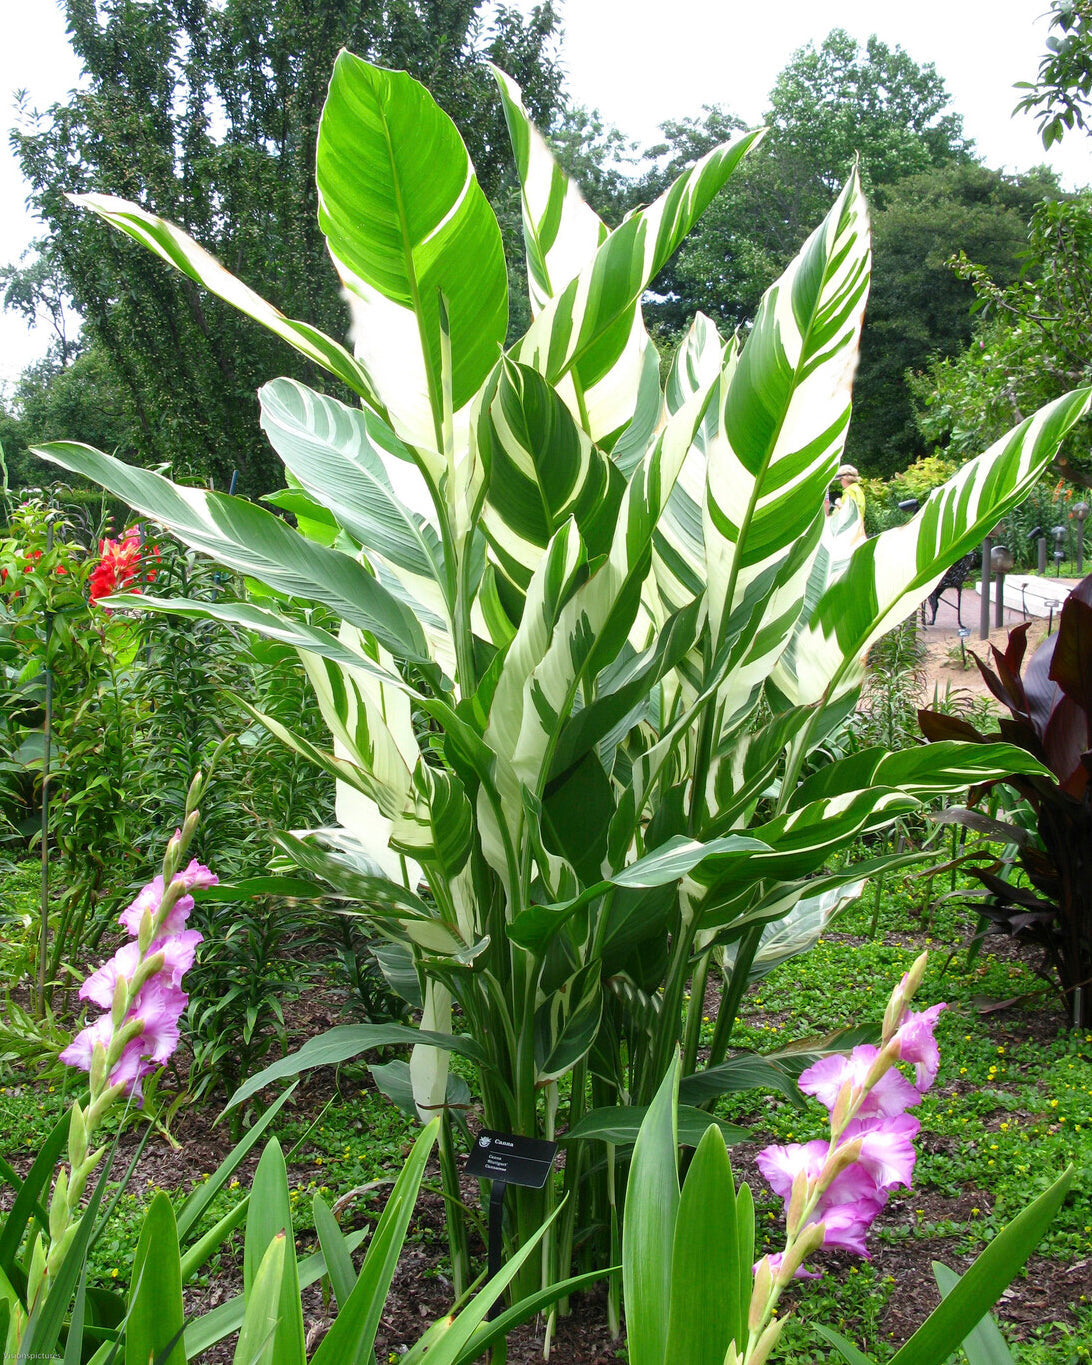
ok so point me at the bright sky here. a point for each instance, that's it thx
(641, 63)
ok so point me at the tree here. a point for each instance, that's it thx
(1062, 96)
(828, 107)
(919, 307)
(207, 113)
(1033, 342)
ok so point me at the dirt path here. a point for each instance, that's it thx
(947, 666)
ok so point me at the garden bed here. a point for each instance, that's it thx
(1010, 1109)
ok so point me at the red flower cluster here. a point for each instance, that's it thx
(31, 558)
(119, 565)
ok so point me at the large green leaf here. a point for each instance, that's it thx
(269, 1219)
(648, 1227)
(985, 1345)
(339, 1044)
(155, 1316)
(406, 223)
(705, 1271)
(253, 542)
(984, 1283)
(350, 1340)
(890, 575)
(620, 1125)
(258, 1341)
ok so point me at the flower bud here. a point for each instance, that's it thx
(193, 795)
(766, 1342)
(797, 1200)
(882, 1063)
(120, 1005)
(77, 1136)
(98, 1070)
(760, 1298)
(836, 1163)
(189, 827)
(732, 1356)
(36, 1273)
(811, 1239)
(58, 1206)
(844, 1106)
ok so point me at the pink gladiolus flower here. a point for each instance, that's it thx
(150, 898)
(892, 1094)
(178, 953)
(887, 1148)
(916, 1043)
(159, 1008)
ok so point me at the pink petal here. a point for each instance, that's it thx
(887, 1148)
(916, 1043)
(781, 1165)
(79, 1051)
(99, 986)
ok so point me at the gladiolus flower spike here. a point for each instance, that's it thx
(834, 1190)
(142, 986)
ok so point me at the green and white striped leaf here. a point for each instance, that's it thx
(566, 1023)
(784, 413)
(926, 770)
(543, 469)
(355, 467)
(588, 341)
(545, 662)
(406, 222)
(177, 248)
(888, 577)
(678, 562)
(560, 231)
(253, 542)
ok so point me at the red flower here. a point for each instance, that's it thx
(119, 563)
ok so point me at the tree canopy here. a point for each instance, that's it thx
(830, 106)
(207, 113)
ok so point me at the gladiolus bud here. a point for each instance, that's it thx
(810, 1239)
(839, 1115)
(841, 1158)
(766, 1342)
(760, 1298)
(58, 1207)
(796, 1203)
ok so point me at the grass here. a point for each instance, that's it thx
(1010, 1109)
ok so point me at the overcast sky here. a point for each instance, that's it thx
(639, 68)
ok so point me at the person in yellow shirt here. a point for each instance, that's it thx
(852, 491)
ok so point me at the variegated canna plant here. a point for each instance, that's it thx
(591, 627)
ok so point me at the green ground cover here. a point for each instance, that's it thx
(1010, 1109)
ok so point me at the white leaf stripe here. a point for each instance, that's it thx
(560, 231)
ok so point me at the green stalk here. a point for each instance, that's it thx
(694, 1012)
(457, 1240)
(733, 996)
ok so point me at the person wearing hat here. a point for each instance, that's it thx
(848, 477)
